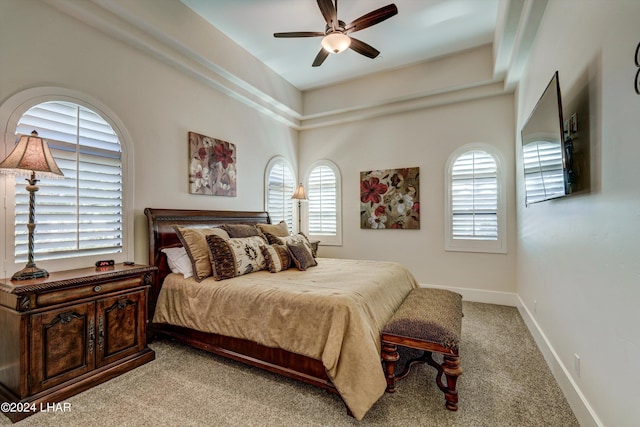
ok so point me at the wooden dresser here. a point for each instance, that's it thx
(63, 334)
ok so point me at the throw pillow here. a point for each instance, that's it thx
(277, 257)
(194, 241)
(296, 238)
(236, 256)
(179, 261)
(301, 255)
(279, 230)
(313, 251)
(241, 230)
(273, 239)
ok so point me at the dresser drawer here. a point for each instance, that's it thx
(73, 294)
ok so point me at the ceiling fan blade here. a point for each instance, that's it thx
(329, 12)
(320, 57)
(298, 34)
(363, 49)
(371, 18)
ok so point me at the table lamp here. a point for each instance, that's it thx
(31, 156)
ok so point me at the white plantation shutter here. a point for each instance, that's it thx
(280, 187)
(543, 172)
(323, 206)
(475, 206)
(80, 214)
(474, 197)
(322, 202)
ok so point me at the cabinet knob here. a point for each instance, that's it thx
(97, 288)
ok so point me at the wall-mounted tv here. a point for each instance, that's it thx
(547, 153)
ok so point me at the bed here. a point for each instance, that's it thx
(320, 326)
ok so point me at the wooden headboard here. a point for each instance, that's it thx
(163, 235)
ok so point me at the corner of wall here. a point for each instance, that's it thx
(583, 411)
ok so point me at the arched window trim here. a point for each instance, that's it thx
(468, 245)
(10, 113)
(325, 240)
(267, 171)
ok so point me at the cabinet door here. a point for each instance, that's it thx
(62, 345)
(120, 323)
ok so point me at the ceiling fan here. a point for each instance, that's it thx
(336, 38)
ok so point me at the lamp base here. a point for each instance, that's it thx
(30, 272)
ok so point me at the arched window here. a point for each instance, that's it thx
(323, 208)
(81, 214)
(474, 209)
(279, 187)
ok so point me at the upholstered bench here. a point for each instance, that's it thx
(429, 320)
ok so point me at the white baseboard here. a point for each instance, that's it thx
(581, 408)
(478, 295)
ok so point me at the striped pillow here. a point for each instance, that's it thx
(277, 257)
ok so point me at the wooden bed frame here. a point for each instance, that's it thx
(162, 235)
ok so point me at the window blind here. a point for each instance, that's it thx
(323, 210)
(81, 213)
(280, 188)
(543, 170)
(474, 197)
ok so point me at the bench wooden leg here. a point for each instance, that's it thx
(451, 370)
(390, 356)
(446, 378)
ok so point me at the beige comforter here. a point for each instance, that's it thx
(333, 312)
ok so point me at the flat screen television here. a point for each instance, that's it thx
(546, 150)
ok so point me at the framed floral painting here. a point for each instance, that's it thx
(212, 166)
(390, 199)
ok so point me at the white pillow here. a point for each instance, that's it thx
(179, 261)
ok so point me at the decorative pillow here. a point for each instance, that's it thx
(236, 256)
(179, 261)
(296, 238)
(194, 241)
(277, 257)
(313, 250)
(301, 255)
(241, 230)
(278, 230)
(273, 239)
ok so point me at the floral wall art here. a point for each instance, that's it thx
(390, 199)
(212, 166)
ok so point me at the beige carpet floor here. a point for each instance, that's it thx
(505, 383)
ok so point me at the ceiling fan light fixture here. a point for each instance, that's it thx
(336, 42)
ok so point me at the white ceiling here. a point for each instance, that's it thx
(422, 29)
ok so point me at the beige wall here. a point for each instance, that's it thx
(157, 104)
(578, 258)
(439, 75)
(424, 138)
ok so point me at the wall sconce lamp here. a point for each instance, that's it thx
(299, 195)
(31, 156)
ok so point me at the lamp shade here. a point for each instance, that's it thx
(31, 154)
(336, 42)
(299, 194)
